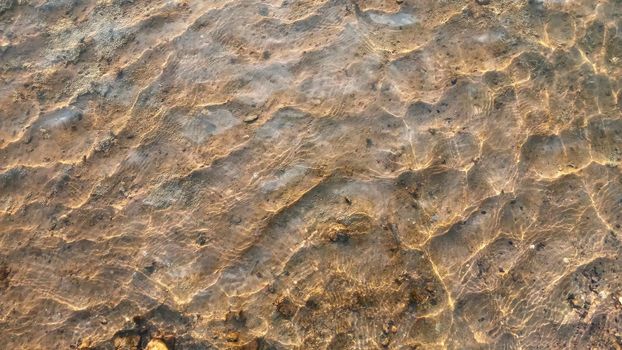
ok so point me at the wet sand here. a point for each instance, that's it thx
(310, 174)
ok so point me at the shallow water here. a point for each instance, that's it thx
(311, 174)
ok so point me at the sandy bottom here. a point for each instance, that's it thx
(310, 174)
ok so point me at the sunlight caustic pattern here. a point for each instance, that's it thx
(311, 174)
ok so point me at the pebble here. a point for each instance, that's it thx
(340, 237)
(251, 119)
(156, 344)
(385, 341)
(482, 2)
(286, 308)
(232, 336)
(85, 344)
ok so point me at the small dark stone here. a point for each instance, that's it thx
(201, 240)
(151, 268)
(5, 273)
(286, 308)
(482, 2)
(340, 237)
(312, 303)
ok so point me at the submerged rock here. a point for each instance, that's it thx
(156, 344)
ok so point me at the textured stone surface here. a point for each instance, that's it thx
(312, 174)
